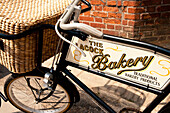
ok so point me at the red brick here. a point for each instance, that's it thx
(114, 15)
(161, 21)
(165, 15)
(151, 2)
(131, 3)
(82, 14)
(119, 3)
(163, 8)
(83, 6)
(132, 16)
(98, 20)
(146, 3)
(100, 14)
(99, 29)
(110, 32)
(136, 10)
(96, 2)
(128, 29)
(151, 9)
(86, 23)
(149, 22)
(119, 15)
(156, 2)
(98, 8)
(123, 34)
(87, 13)
(124, 22)
(166, 1)
(133, 36)
(140, 33)
(125, 3)
(124, 9)
(111, 2)
(93, 8)
(150, 16)
(86, 18)
(135, 23)
(97, 25)
(118, 27)
(131, 23)
(112, 21)
(110, 26)
(113, 9)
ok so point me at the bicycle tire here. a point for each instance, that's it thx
(15, 82)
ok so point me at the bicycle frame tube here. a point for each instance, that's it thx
(161, 94)
(88, 91)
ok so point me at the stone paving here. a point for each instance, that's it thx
(115, 94)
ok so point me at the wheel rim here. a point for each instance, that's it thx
(22, 97)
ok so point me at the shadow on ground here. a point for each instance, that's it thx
(3, 71)
(115, 96)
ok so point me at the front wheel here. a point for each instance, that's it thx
(23, 92)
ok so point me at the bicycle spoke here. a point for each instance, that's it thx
(24, 94)
(37, 83)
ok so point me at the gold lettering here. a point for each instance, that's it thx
(86, 48)
(100, 51)
(101, 45)
(100, 62)
(112, 65)
(145, 65)
(137, 60)
(130, 62)
(121, 61)
(81, 47)
(96, 50)
(96, 44)
(91, 49)
(90, 43)
(165, 67)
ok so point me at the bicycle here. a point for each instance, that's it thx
(50, 90)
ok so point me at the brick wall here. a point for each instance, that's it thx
(146, 20)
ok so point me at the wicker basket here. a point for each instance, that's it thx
(16, 16)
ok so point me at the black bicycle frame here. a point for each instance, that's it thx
(161, 94)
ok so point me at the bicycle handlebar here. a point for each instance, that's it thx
(80, 26)
(64, 25)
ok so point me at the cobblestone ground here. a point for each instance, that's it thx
(115, 94)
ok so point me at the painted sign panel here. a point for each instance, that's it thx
(123, 61)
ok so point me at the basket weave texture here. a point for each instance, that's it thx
(17, 16)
